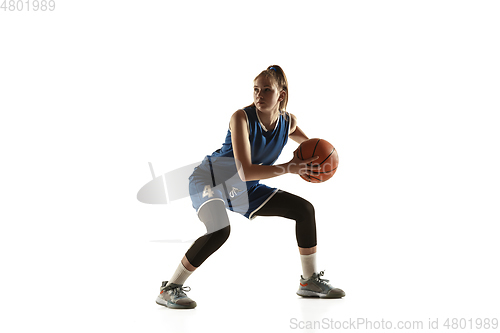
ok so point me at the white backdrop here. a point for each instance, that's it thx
(407, 91)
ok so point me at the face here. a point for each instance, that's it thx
(266, 95)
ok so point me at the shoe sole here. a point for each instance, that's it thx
(177, 306)
(312, 294)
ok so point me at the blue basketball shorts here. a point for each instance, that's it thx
(208, 183)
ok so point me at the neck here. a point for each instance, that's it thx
(269, 116)
(273, 114)
(268, 119)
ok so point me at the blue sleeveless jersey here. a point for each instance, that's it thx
(266, 144)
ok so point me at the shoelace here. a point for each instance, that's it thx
(178, 291)
(181, 291)
(319, 279)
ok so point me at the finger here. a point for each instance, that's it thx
(314, 165)
(312, 158)
(314, 173)
(311, 172)
(310, 165)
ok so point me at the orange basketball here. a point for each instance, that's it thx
(328, 159)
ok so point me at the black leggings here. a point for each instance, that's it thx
(214, 216)
(293, 207)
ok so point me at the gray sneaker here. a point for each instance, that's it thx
(174, 296)
(318, 287)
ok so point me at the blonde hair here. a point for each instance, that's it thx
(276, 75)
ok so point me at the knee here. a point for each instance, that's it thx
(220, 236)
(304, 210)
(207, 244)
(308, 207)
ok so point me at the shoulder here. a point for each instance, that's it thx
(293, 123)
(238, 118)
(239, 115)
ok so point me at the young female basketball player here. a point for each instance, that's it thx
(229, 179)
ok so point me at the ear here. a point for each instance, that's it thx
(282, 96)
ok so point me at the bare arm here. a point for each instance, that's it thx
(296, 134)
(243, 158)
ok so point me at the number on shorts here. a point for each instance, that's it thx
(207, 192)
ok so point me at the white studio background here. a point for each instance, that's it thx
(407, 91)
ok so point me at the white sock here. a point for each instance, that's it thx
(308, 264)
(180, 276)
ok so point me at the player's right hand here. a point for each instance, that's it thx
(303, 167)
